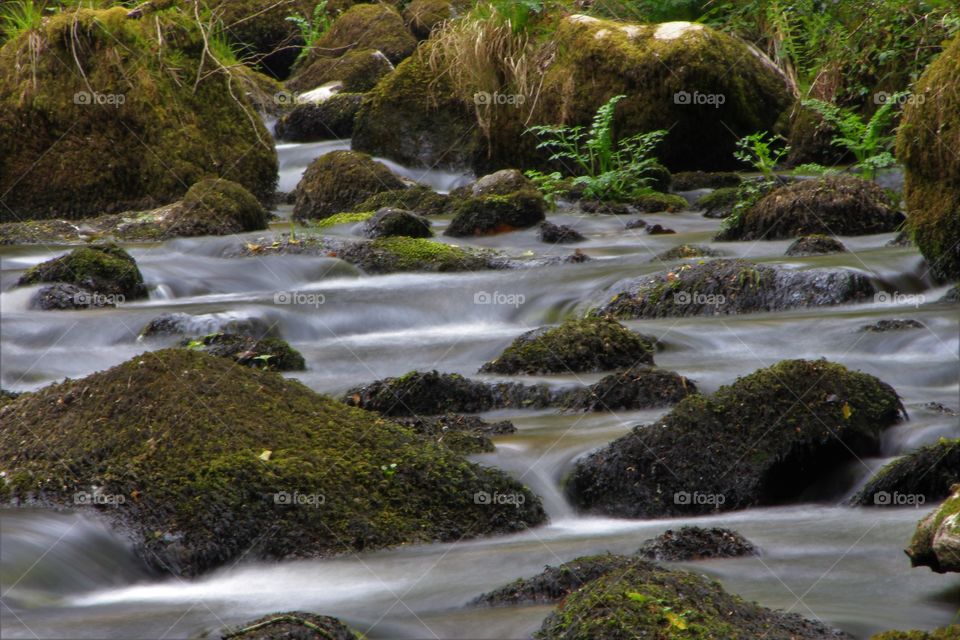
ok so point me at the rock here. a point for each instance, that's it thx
(693, 180)
(936, 542)
(637, 224)
(730, 286)
(294, 625)
(261, 34)
(331, 119)
(422, 16)
(927, 139)
(397, 222)
(6, 397)
(659, 202)
(263, 353)
(357, 71)
(558, 234)
(204, 462)
(719, 203)
(659, 230)
(921, 477)
(754, 443)
(491, 214)
(184, 324)
(882, 326)
(554, 583)
(695, 543)
(834, 205)
(952, 295)
(215, 206)
(63, 296)
(128, 133)
(500, 183)
(902, 239)
(944, 633)
(815, 245)
(686, 252)
(938, 407)
(639, 387)
(366, 26)
(607, 208)
(418, 199)
(810, 139)
(463, 434)
(104, 270)
(576, 346)
(40, 232)
(338, 181)
(401, 254)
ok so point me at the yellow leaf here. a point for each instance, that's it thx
(847, 411)
(265, 456)
(676, 621)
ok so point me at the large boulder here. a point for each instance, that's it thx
(203, 462)
(95, 117)
(215, 206)
(388, 223)
(936, 542)
(921, 477)
(367, 26)
(753, 443)
(104, 270)
(356, 71)
(338, 181)
(731, 286)
(331, 119)
(834, 205)
(576, 346)
(492, 214)
(927, 144)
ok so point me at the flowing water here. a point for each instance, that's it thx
(63, 575)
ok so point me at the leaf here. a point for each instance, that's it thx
(846, 411)
(638, 597)
(265, 456)
(676, 621)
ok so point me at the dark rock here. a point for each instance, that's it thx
(953, 295)
(62, 297)
(486, 215)
(637, 224)
(815, 245)
(338, 181)
(559, 234)
(686, 252)
(106, 270)
(719, 203)
(658, 230)
(331, 119)
(883, 326)
(184, 324)
(693, 180)
(294, 625)
(263, 353)
(695, 543)
(463, 434)
(397, 222)
(609, 208)
(639, 387)
(921, 477)
(357, 71)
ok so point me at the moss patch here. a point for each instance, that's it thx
(419, 199)
(263, 353)
(491, 214)
(659, 202)
(358, 71)
(104, 269)
(338, 181)
(367, 26)
(936, 542)
(390, 255)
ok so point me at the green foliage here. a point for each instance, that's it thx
(550, 185)
(18, 17)
(313, 28)
(749, 193)
(518, 13)
(868, 141)
(609, 169)
(814, 169)
(757, 150)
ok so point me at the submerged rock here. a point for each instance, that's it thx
(883, 326)
(491, 214)
(936, 542)
(64, 297)
(576, 346)
(719, 203)
(695, 543)
(104, 270)
(331, 119)
(751, 443)
(558, 234)
(338, 181)
(387, 223)
(202, 462)
(639, 387)
(685, 252)
(263, 353)
(731, 286)
(921, 477)
(294, 625)
(184, 324)
(815, 245)
(834, 205)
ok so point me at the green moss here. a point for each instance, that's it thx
(945, 633)
(685, 252)
(367, 26)
(130, 131)
(491, 214)
(590, 344)
(936, 542)
(215, 206)
(263, 353)
(359, 71)
(719, 198)
(418, 254)
(342, 218)
(421, 16)
(929, 472)
(657, 202)
(419, 199)
(338, 181)
(103, 269)
(199, 448)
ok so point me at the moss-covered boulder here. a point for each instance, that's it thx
(387, 223)
(215, 206)
(403, 254)
(331, 119)
(204, 462)
(685, 252)
(293, 625)
(423, 393)
(463, 434)
(96, 117)
(768, 446)
(642, 600)
(816, 244)
(732, 286)
(944, 633)
(696, 543)
(491, 214)
(719, 203)
(261, 32)
(639, 387)
(356, 71)
(578, 345)
(368, 26)
(927, 141)
(264, 353)
(936, 542)
(421, 200)
(106, 270)
(422, 16)
(338, 181)
(921, 477)
(498, 183)
(659, 202)
(834, 205)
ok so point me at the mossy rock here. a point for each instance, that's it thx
(215, 206)
(558, 234)
(810, 138)
(944, 633)
(422, 16)
(400, 254)
(641, 600)
(366, 26)
(921, 477)
(686, 252)
(577, 346)
(834, 205)
(261, 33)
(423, 393)
(732, 286)
(177, 324)
(816, 244)
(263, 353)
(696, 543)
(638, 387)
(6, 397)
(293, 624)
(936, 542)
(692, 180)
(883, 326)
(338, 181)
(421, 200)
(128, 132)
(928, 138)
(719, 203)
(659, 202)
(106, 270)
(492, 214)
(463, 434)
(217, 462)
(769, 447)
(357, 71)
(40, 232)
(498, 183)
(388, 223)
(331, 119)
